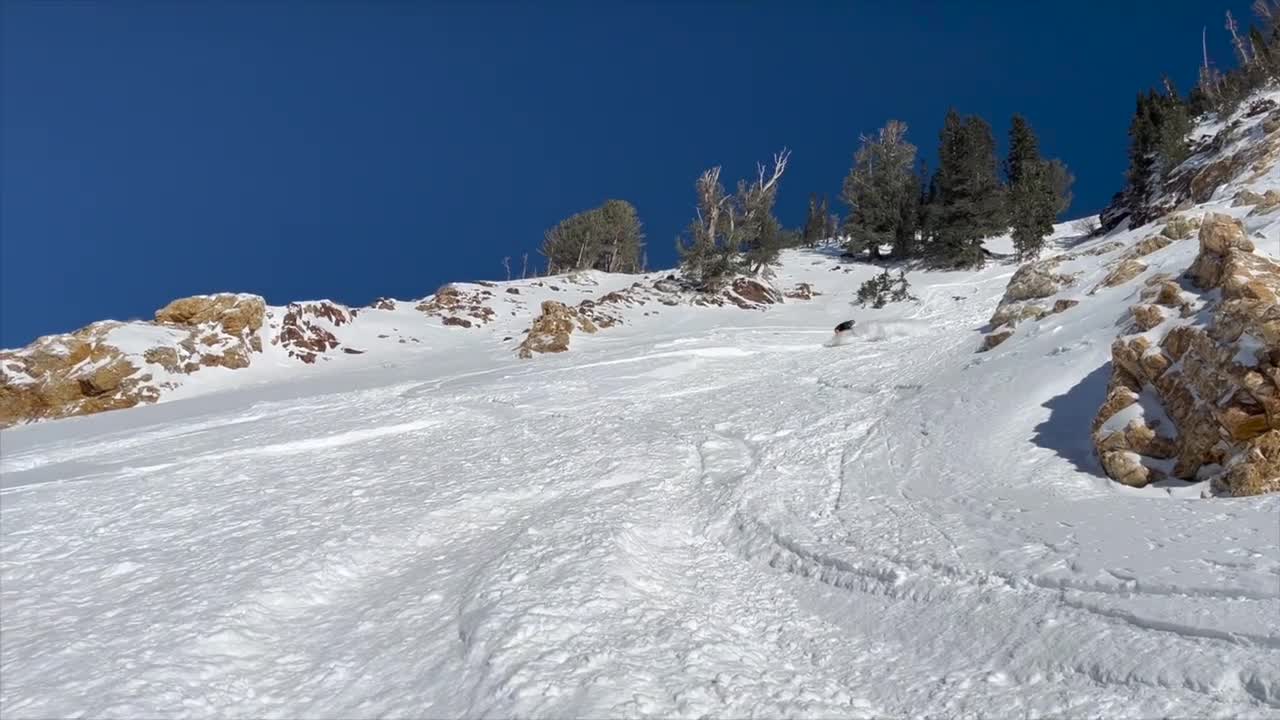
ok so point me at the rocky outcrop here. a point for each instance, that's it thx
(305, 330)
(1145, 247)
(234, 314)
(451, 301)
(551, 330)
(994, 339)
(1120, 274)
(1193, 398)
(1177, 228)
(112, 365)
(802, 291)
(1033, 281)
(1245, 148)
(72, 374)
(751, 294)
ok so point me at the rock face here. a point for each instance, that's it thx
(111, 365)
(1200, 399)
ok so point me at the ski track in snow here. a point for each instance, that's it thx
(734, 522)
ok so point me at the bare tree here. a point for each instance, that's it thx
(1086, 226)
(1238, 42)
(524, 268)
(506, 265)
(1209, 79)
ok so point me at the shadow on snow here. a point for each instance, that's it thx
(1066, 430)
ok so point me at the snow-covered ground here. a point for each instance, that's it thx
(701, 512)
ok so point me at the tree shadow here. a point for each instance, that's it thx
(1066, 430)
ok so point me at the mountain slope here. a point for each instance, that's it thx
(700, 510)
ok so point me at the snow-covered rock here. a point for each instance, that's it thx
(1216, 373)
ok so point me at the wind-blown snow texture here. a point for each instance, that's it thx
(699, 512)
(704, 511)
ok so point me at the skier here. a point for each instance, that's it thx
(843, 332)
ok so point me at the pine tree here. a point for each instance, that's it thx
(1157, 145)
(622, 240)
(816, 223)
(879, 190)
(905, 242)
(1031, 198)
(710, 254)
(966, 198)
(733, 233)
(1173, 125)
(606, 238)
(987, 192)
(1142, 142)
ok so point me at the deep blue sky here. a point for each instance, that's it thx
(304, 150)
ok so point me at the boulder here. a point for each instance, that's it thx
(1219, 234)
(551, 330)
(1255, 470)
(1146, 317)
(802, 291)
(1034, 281)
(1122, 273)
(994, 339)
(1179, 228)
(1148, 246)
(753, 292)
(1063, 305)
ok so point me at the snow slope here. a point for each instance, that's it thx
(699, 512)
(703, 511)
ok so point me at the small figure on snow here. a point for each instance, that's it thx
(843, 333)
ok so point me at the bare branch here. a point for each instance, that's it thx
(779, 166)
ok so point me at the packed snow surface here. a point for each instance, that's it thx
(702, 512)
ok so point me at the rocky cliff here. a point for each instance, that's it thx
(1195, 389)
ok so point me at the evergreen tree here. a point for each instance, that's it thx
(816, 224)
(966, 198)
(733, 234)
(1032, 202)
(880, 190)
(1142, 142)
(710, 252)
(905, 242)
(761, 231)
(1157, 145)
(987, 192)
(622, 240)
(606, 238)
